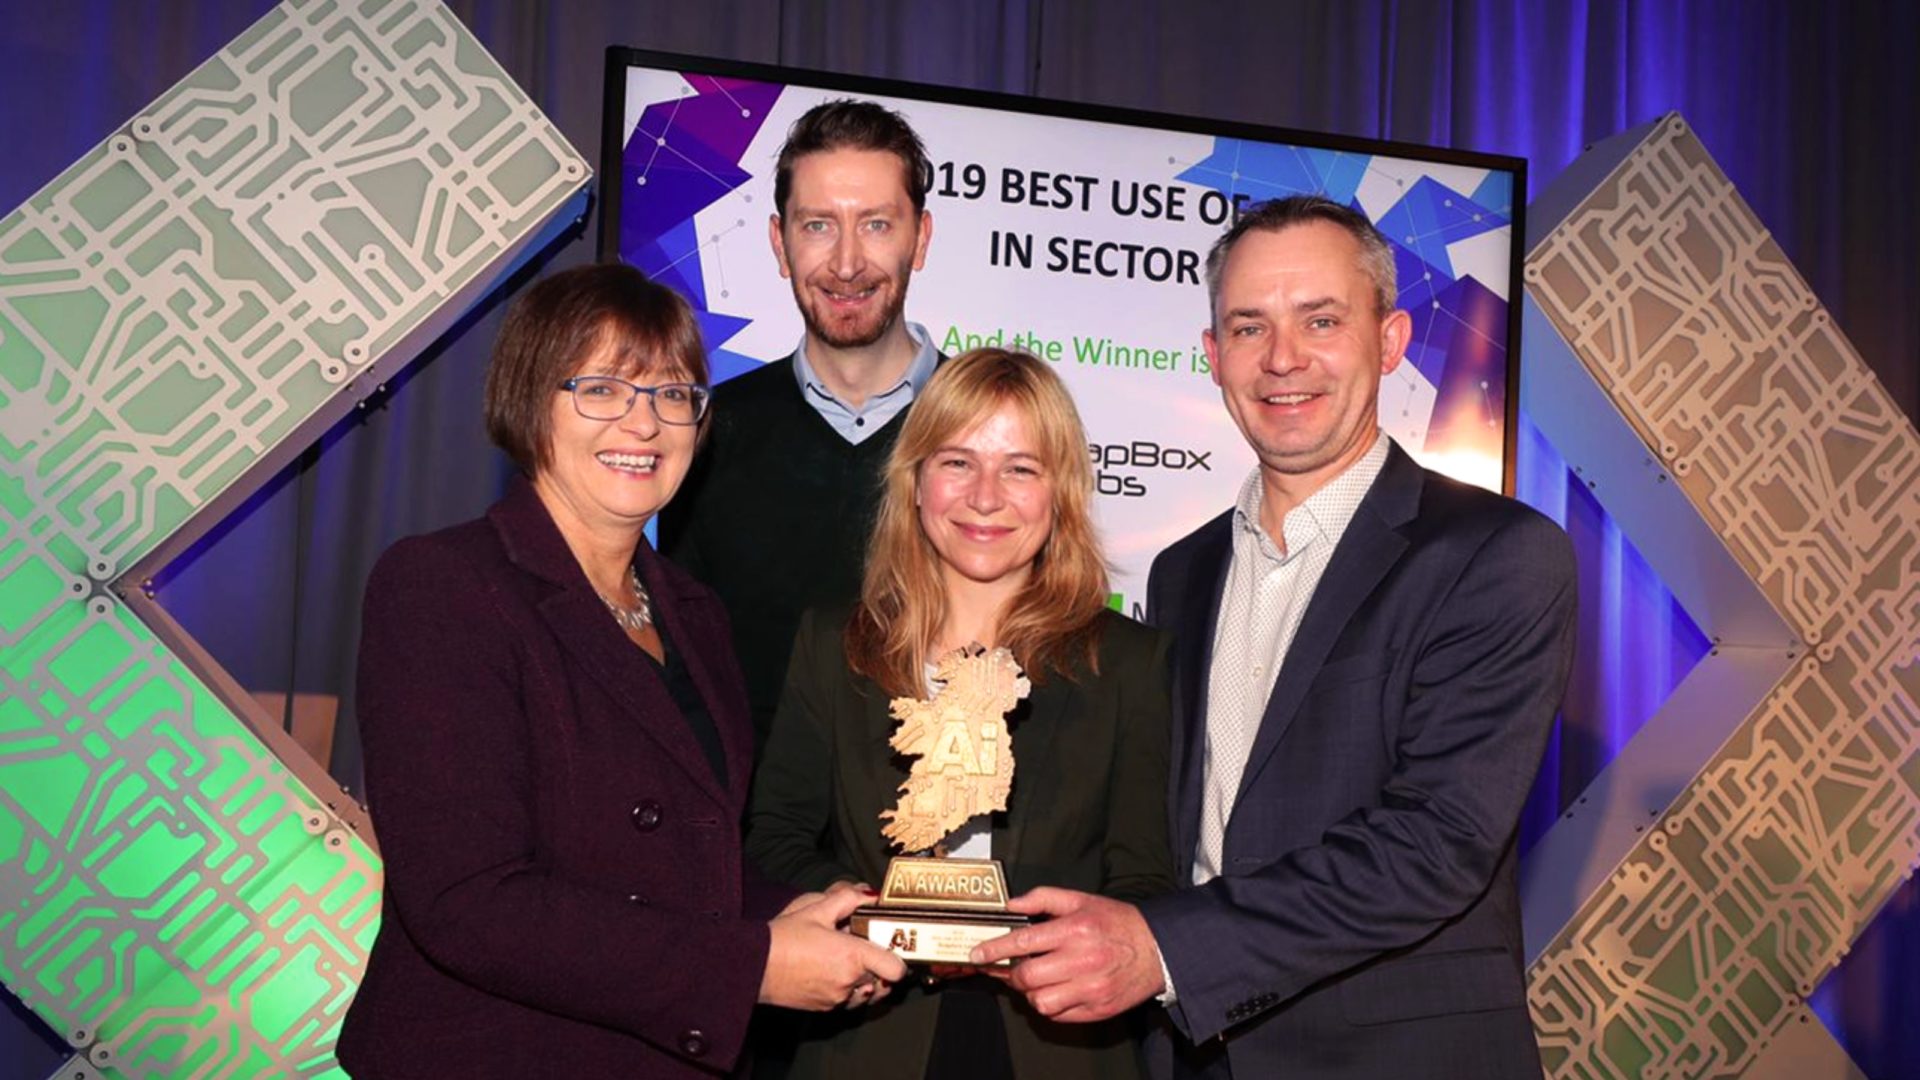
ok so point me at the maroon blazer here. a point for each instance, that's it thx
(565, 893)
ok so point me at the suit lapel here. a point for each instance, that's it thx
(878, 769)
(1367, 550)
(688, 618)
(1033, 725)
(585, 633)
(1205, 578)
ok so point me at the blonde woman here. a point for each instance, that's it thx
(984, 534)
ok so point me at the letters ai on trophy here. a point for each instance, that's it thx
(933, 909)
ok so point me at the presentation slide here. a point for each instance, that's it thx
(1080, 236)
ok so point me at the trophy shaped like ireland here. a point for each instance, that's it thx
(932, 909)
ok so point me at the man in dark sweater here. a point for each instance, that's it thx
(776, 511)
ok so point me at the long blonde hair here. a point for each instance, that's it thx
(1054, 621)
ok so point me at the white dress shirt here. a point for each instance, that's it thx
(1266, 595)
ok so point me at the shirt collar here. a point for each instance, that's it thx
(919, 370)
(1324, 514)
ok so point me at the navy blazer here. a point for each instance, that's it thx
(1368, 923)
(565, 891)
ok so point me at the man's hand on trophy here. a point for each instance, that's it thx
(812, 965)
(1093, 958)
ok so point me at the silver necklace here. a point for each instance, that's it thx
(641, 616)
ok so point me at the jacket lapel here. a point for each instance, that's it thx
(1367, 550)
(584, 632)
(689, 618)
(1032, 725)
(870, 761)
(1205, 577)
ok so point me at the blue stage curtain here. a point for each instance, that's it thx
(1810, 108)
(1636, 642)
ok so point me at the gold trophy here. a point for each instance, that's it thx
(934, 910)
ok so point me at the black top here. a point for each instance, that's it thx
(1087, 811)
(693, 708)
(774, 517)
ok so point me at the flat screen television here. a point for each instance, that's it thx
(1080, 233)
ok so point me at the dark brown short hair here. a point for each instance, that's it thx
(846, 124)
(556, 326)
(1274, 215)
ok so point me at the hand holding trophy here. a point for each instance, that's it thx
(934, 910)
(985, 534)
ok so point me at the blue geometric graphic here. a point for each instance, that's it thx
(1430, 216)
(683, 156)
(1272, 171)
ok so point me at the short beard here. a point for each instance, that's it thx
(838, 340)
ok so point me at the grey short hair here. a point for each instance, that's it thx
(1376, 255)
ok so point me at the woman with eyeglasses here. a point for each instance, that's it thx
(558, 746)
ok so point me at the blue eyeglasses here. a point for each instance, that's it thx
(603, 397)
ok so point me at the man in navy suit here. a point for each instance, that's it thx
(1369, 660)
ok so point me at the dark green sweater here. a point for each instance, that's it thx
(774, 516)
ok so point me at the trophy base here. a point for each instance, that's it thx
(921, 936)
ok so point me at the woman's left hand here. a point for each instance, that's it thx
(813, 964)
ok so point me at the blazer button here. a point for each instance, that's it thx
(647, 815)
(637, 900)
(693, 1043)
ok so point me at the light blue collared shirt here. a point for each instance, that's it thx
(854, 425)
